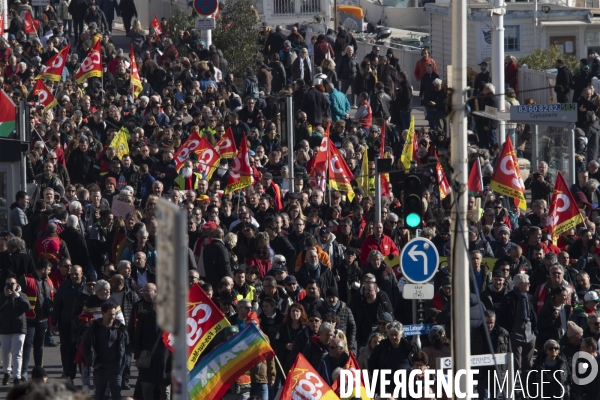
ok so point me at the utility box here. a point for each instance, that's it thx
(351, 17)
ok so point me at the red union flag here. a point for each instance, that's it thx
(507, 178)
(225, 147)
(385, 187)
(188, 148)
(30, 25)
(564, 213)
(204, 321)
(340, 176)
(135, 82)
(318, 173)
(442, 181)
(476, 179)
(1, 24)
(207, 158)
(353, 366)
(55, 65)
(45, 96)
(156, 27)
(241, 173)
(304, 383)
(91, 66)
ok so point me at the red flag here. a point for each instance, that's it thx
(564, 213)
(1, 23)
(156, 27)
(507, 178)
(442, 181)
(351, 365)
(91, 66)
(188, 148)
(208, 158)
(55, 65)
(31, 25)
(135, 82)
(277, 190)
(225, 147)
(385, 187)
(241, 172)
(340, 176)
(303, 382)
(204, 321)
(45, 96)
(318, 173)
(476, 179)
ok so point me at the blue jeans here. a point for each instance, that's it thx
(34, 339)
(107, 377)
(260, 390)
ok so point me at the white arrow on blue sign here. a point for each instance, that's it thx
(419, 260)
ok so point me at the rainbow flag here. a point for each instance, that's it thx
(218, 370)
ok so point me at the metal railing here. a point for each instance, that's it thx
(301, 7)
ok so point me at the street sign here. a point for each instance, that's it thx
(205, 24)
(206, 7)
(484, 360)
(564, 113)
(419, 329)
(419, 260)
(412, 291)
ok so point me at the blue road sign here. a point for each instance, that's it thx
(413, 330)
(419, 260)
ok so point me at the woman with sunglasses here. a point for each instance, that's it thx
(552, 371)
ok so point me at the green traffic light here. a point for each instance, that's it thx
(413, 220)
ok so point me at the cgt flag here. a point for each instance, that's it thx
(303, 382)
(135, 82)
(507, 178)
(318, 173)
(353, 366)
(340, 176)
(54, 66)
(45, 96)
(219, 369)
(442, 181)
(156, 27)
(204, 321)
(476, 179)
(91, 66)
(188, 148)
(564, 213)
(241, 172)
(30, 25)
(225, 147)
(119, 143)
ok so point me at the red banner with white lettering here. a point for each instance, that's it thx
(507, 178)
(30, 25)
(91, 66)
(442, 181)
(45, 96)
(225, 147)
(204, 321)
(564, 213)
(188, 148)
(156, 27)
(240, 175)
(303, 382)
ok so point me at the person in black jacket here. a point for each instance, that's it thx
(435, 104)
(303, 337)
(128, 11)
(314, 269)
(274, 42)
(81, 164)
(401, 105)
(481, 79)
(314, 104)
(394, 353)
(366, 308)
(346, 324)
(486, 127)
(592, 133)
(216, 259)
(317, 347)
(347, 71)
(13, 327)
(21, 262)
(76, 243)
(562, 86)
(280, 243)
(64, 300)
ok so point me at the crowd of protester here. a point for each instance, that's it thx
(314, 270)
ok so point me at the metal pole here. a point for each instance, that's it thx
(461, 334)
(208, 37)
(511, 376)
(289, 106)
(377, 191)
(22, 129)
(572, 177)
(535, 24)
(498, 63)
(335, 15)
(180, 377)
(416, 338)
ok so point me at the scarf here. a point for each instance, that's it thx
(522, 311)
(335, 308)
(314, 272)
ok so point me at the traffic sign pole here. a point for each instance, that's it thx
(377, 189)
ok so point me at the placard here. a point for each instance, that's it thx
(121, 209)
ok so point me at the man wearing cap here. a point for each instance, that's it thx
(348, 274)
(569, 343)
(593, 328)
(328, 243)
(476, 243)
(295, 291)
(492, 296)
(502, 245)
(482, 78)
(347, 325)
(582, 311)
(82, 163)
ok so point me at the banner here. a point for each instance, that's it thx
(442, 181)
(476, 179)
(318, 173)
(204, 321)
(409, 150)
(340, 175)
(189, 147)
(208, 158)
(240, 175)
(135, 82)
(45, 96)
(225, 147)
(219, 369)
(352, 365)
(156, 27)
(303, 382)
(507, 178)
(91, 66)
(363, 179)
(8, 114)
(119, 143)
(1, 24)
(55, 65)
(563, 213)
(30, 25)
(385, 188)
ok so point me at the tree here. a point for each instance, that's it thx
(236, 35)
(542, 59)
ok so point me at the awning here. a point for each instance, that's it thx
(564, 23)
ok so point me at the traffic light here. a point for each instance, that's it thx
(413, 205)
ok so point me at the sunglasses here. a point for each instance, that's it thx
(553, 348)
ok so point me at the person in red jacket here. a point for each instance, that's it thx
(378, 241)
(61, 273)
(420, 66)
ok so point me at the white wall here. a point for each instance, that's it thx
(400, 18)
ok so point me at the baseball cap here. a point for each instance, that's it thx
(447, 282)
(324, 231)
(209, 225)
(267, 175)
(386, 316)
(591, 296)
(473, 229)
(289, 280)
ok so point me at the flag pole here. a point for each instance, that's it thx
(280, 367)
(327, 174)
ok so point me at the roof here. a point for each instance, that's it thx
(516, 11)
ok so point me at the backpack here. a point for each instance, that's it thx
(251, 89)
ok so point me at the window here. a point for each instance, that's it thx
(512, 38)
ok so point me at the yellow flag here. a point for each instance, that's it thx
(408, 150)
(363, 179)
(119, 143)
